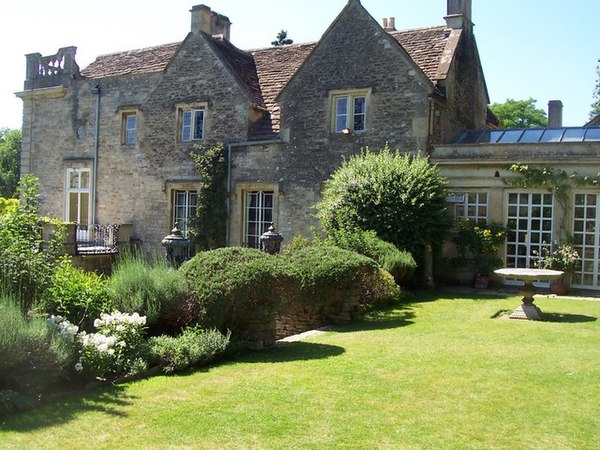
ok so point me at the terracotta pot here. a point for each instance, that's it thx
(559, 288)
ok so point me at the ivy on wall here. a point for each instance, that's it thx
(208, 227)
(556, 181)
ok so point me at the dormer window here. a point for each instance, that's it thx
(349, 111)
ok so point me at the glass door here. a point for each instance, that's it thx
(586, 229)
(530, 228)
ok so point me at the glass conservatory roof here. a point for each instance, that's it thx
(529, 135)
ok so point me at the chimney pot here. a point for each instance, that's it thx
(207, 21)
(555, 110)
(389, 24)
(459, 14)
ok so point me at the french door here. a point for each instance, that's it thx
(586, 236)
(530, 228)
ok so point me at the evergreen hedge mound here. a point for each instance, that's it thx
(235, 287)
(229, 285)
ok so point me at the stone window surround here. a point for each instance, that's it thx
(180, 108)
(78, 167)
(171, 186)
(351, 94)
(238, 214)
(190, 204)
(124, 112)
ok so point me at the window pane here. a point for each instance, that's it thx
(532, 135)
(74, 180)
(84, 208)
(130, 128)
(341, 114)
(360, 113)
(198, 124)
(186, 126)
(73, 208)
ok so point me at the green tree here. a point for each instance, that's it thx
(10, 161)
(282, 39)
(400, 197)
(519, 114)
(596, 105)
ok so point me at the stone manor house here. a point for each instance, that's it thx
(110, 143)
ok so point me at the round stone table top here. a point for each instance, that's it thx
(529, 274)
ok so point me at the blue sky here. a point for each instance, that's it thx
(545, 49)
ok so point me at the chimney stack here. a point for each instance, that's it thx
(555, 110)
(206, 21)
(389, 24)
(459, 14)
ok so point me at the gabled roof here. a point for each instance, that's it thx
(133, 62)
(264, 72)
(594, 122)
(426, 46)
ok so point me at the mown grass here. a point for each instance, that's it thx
(435, 372)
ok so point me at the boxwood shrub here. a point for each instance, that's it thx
(324, 271)
(231, 285)
(399, 263)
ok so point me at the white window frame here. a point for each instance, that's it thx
(129, 133)
(586, 235)
(472, 205)
(349, 115)
(188, 205)
(188, 126)
(259, 213)
(534, 248)
(79, 192)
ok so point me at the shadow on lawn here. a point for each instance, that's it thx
(567, 318)
(396, 316)
(293, 351)
(108, 400)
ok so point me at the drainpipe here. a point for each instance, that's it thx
(430, 119)
(230, 148)
(97, 91)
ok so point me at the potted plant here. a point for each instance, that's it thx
(563, 257)
(480, 241)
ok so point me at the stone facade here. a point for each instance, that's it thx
(274, 109)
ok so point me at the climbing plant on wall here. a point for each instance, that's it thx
(207, 228)
(556, 181)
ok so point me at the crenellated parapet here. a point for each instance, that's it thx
(52, 70)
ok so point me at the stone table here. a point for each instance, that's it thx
(527, 310)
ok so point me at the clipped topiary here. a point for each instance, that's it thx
(237, 288)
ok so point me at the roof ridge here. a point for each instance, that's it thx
(437, 27)
(277, 47)
(138, 50)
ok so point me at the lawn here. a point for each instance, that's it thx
(438, 371)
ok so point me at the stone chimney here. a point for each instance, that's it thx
(207, 21)
(389, 24)
(555, 110)
(459, 14)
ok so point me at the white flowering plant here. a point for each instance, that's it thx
(118, 348)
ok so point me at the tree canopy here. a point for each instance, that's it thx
(596, 105)
(519, 114)
(282, 39)
(10, 161)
